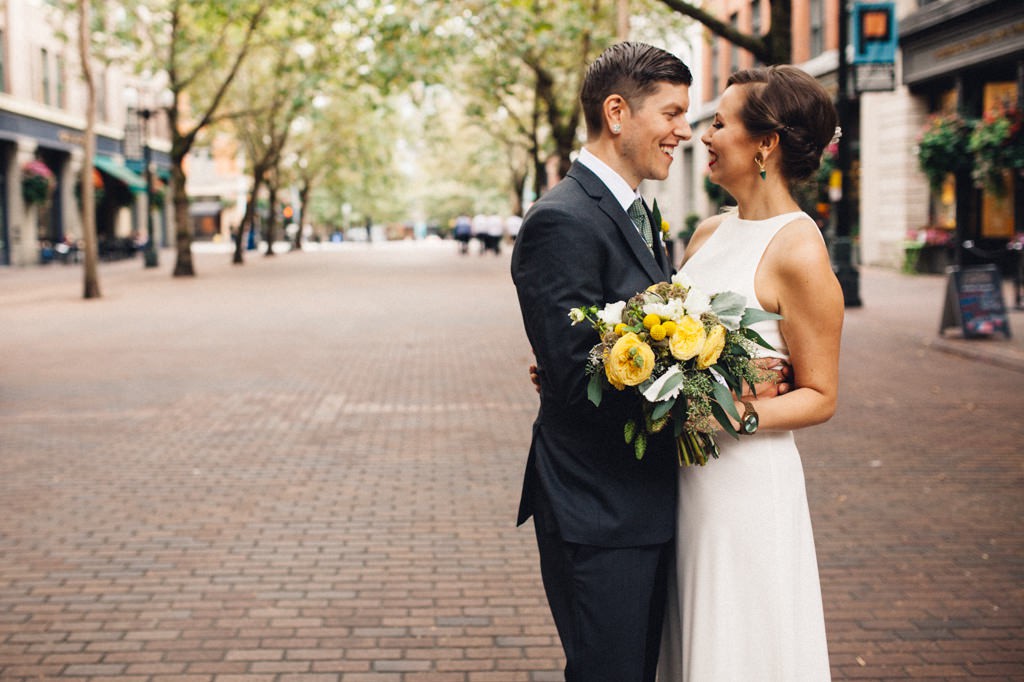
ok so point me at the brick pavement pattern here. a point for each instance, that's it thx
(307, 468)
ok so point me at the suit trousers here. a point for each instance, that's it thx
(608, 603)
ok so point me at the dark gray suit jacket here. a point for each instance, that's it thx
(577, 247)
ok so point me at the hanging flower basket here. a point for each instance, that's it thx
(997, 143)
(37, 182)
(943, 147)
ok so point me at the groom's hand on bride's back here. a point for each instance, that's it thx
(779, 381)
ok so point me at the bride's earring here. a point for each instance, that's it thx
(616, 128)
(759, 160)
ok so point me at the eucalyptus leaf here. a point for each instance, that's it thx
(594, 389)
(723, 397)
(729, 306)
(670, 384)
(679, 414)
(757, 338)
(662, 408)
(734, 382)
(755, 315)
(719, 414)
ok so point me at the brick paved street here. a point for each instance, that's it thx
(307, 468)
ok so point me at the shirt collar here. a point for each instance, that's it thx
(619, 188)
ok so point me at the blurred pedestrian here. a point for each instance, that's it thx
(463, 231)
(512, 225)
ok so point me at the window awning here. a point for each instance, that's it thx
(135, 182)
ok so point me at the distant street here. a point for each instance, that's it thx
(306, 468)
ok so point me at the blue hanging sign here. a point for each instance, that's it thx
(874, 33)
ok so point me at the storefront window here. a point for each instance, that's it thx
(997, 207)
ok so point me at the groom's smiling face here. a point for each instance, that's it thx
(652, 130)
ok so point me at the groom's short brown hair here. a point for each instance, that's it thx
(632, 70)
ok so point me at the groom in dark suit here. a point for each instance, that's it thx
(604, 520)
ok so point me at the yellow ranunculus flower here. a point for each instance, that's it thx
(629, 362)
(689, 338)
(658, 332)
(712, 347)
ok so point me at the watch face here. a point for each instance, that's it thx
(750, 423)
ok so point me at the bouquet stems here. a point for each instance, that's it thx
(695, 448)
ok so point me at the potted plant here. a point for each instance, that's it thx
(942, 147)
(927, 250)
(37, 181)
(716, 194)
(997, 144)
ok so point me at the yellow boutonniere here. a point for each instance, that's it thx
(658, 220)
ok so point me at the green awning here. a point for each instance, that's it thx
(135, 182)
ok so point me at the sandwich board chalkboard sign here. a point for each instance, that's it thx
(974, 302)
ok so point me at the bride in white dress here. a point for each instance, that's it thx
(746, 605)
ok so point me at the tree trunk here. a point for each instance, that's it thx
(303, 202)
(271, 219)
(249, 219)
(183, 267)
(91, 281)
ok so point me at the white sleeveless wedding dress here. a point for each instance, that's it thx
(745, 602)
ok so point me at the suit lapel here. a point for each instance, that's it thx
(654, 267)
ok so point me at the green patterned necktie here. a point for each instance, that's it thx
(639, 215)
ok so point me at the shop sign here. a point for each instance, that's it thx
(874, 46)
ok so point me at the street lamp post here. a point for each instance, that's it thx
(144, 114)
(842, 249)
(150, 254)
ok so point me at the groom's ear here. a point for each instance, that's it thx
(614, 107)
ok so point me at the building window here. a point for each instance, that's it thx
(756, 27)
(101, 94)
(734, 50)
(817, 42)
(44, 72)
(3, 65)
(61, 92)
(715, 67)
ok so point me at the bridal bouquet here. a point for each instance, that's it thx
(684, 352)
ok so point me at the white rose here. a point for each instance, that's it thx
(682, 279)
(671, 310)
(697, 302)
(612, 313)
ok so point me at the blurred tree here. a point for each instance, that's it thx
(91, 281)
(275, 87)
(198, 46)
(774, 46)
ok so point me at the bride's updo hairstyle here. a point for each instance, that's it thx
(785, 100)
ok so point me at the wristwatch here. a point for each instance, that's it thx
(749, 421)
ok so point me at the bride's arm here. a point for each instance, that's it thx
(797, 275)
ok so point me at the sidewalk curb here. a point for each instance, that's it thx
(975, 350)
